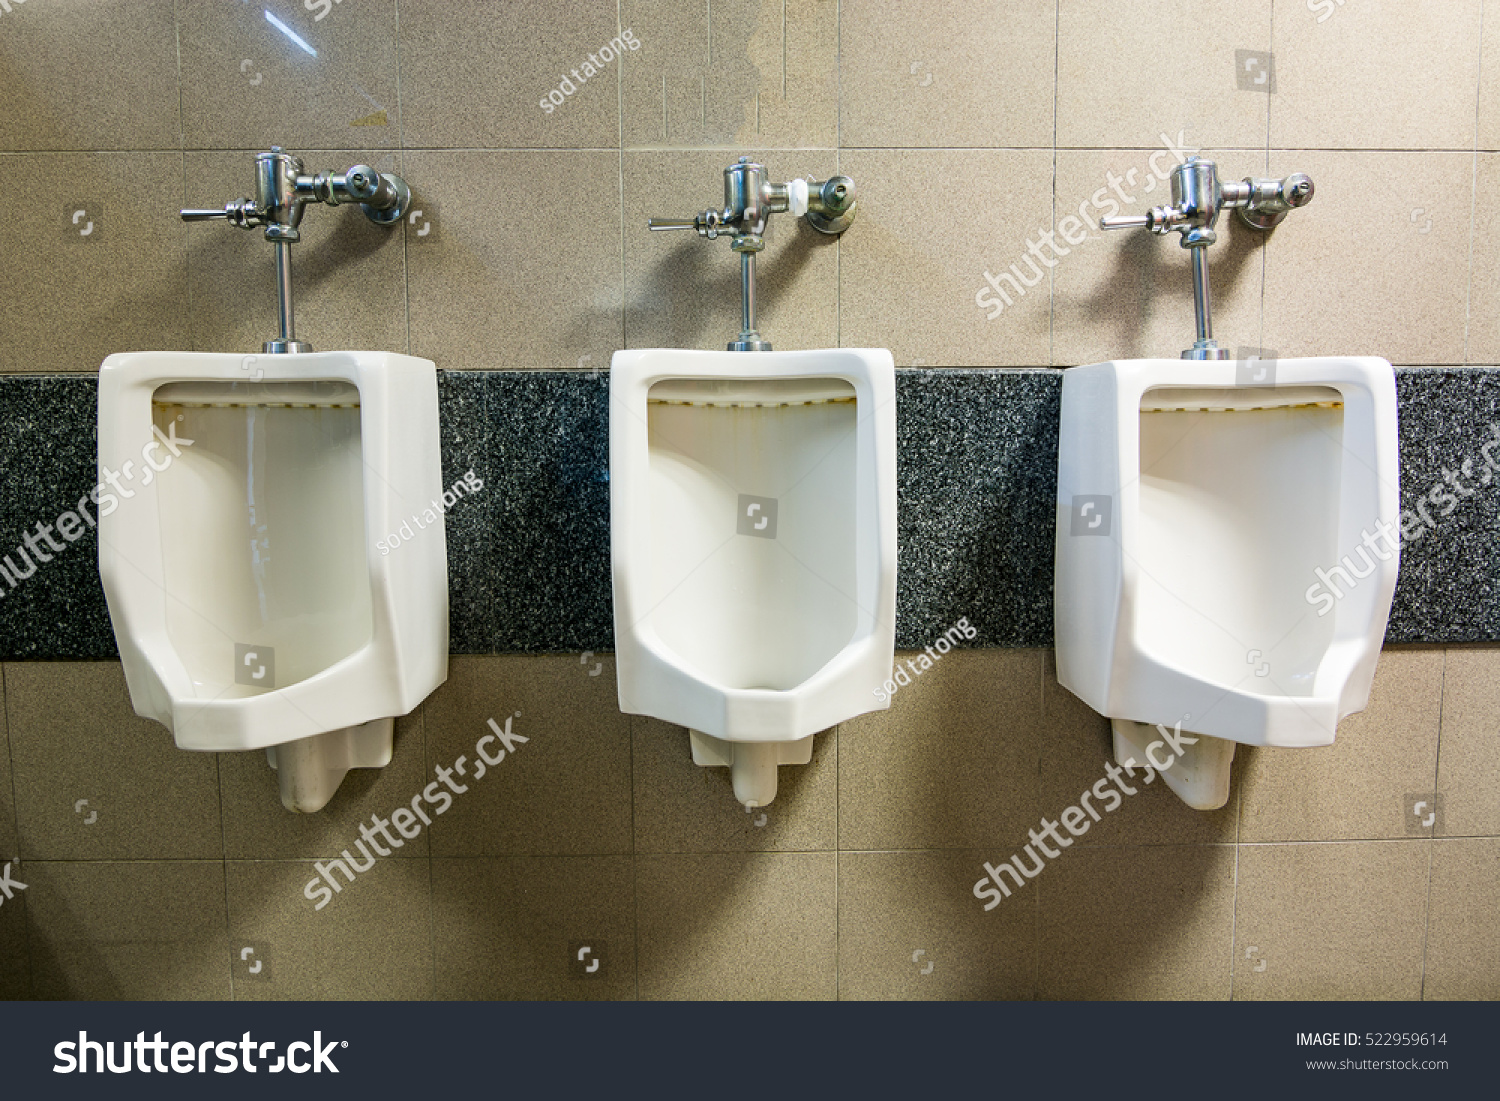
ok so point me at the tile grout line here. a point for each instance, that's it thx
(15, 818)
(1056, 97)
(401, 155)
(620, 164)
(1437, 771)
(224, 868)
(1474, 199)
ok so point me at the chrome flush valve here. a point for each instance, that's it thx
(749, 201)
(1197, 199)
(282, 192)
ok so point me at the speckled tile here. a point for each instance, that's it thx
(684, 807)
(1331, 922)
(1139, 924)
(1077, 745)
(1355, 789)
(911, 929)
(1448, 589)
(953, 763)
(47, 464)
(1469, 761)
(127, 931)
(247, 85)
(95, 782)
(741, 926)
(566, 790)
(258, 827)
(96, 259)
(1463, 939)
(474, 75)
(977, 467)
(372, 941)
(976, 514)
(1384, 75)
(736, 72)
(65, 86)
(682, 291)
(348, 275)
(516, 928)
(529, 562)
(909, 283)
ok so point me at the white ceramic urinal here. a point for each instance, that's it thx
(238, 520)
(1226, 554)
(753, 536)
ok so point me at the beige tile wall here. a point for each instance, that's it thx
(1316, 881)
(970, 129)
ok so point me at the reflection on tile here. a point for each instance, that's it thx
(347, 273)
(684, 292)
(1386, 257)
(1331, 921)
(952, 764)
(1136, 923)
(1128, 294)
(1354, 789)
(371, 941)
(681, 806)
(1077, 745)
(483, 292)
(250, 84)
(63, 84)
(137, 931)
(95, 259)
(1463, 940)
(1392, 76)
(95, 782)
(909, 283)
(739, 71)
(565, 790)
(556, 928)
(258, 827)
(1116, 86)
(1469, 764)
(956, 74)
(910, 928)
(751, 926)
(475, 75)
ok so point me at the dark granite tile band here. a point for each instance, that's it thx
(528, 557)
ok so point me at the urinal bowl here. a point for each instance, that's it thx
(237, 552)
(753, 539)
(1201, 520)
